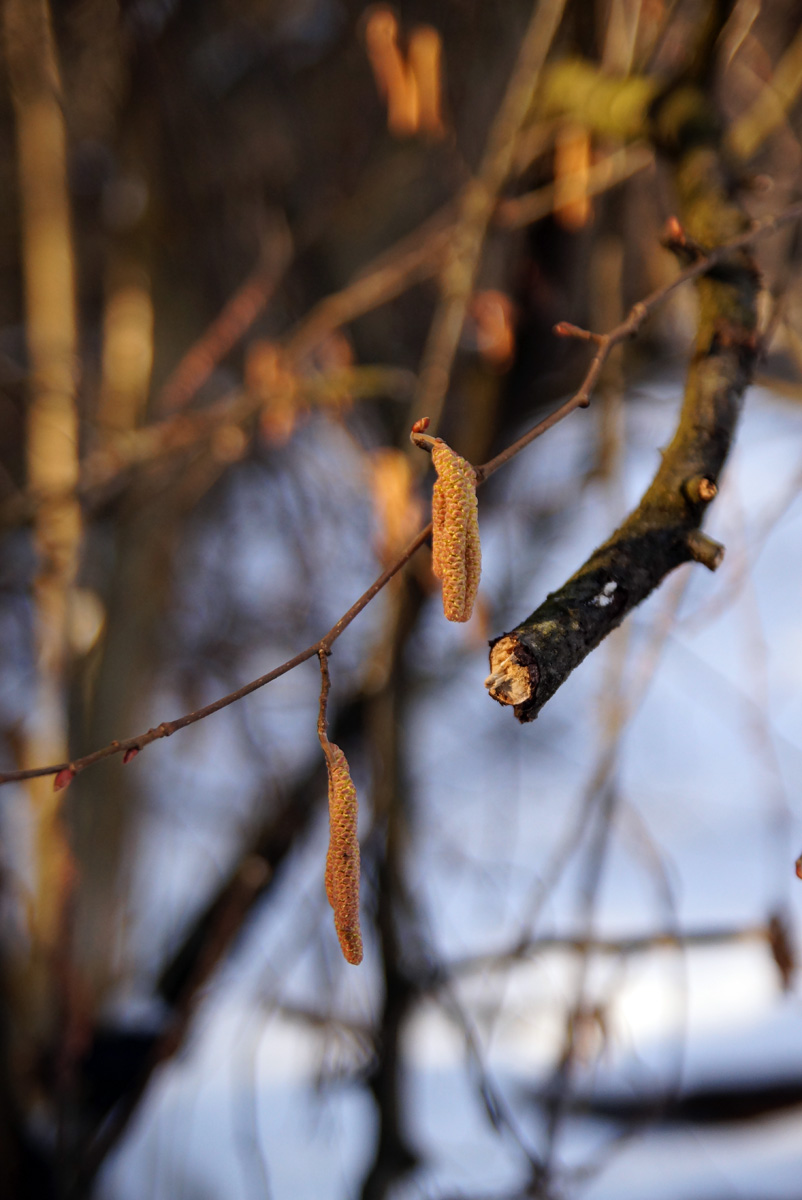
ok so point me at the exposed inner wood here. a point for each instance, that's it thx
(509, 681)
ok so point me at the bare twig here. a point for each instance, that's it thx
(532, 661)
(772, 105)
(668, 939)
(169, 727)
(325, 688)
(628, 327)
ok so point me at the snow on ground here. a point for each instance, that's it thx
(707, 827)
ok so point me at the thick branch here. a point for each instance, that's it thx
(531, 662)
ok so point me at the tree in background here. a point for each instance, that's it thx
(248, 246)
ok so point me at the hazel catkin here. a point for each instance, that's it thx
(456, 553)
(342, 860)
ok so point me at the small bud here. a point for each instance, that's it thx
(64, 778)
(798, 867)
(421, 425)
(675, 239)
(130, 753)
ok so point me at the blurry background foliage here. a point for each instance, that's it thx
(230, 279)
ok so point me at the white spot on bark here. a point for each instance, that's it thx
(605, 596)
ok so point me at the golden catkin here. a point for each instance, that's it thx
(456, 553)
(342, 860)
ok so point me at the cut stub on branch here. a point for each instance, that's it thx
(513, 672)
(342, 860)
(456, 553)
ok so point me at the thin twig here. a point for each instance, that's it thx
(774, 101)
(166, 728)
(325, 687)
(629, 326)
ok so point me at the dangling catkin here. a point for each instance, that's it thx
(456, 553)
(342, 860)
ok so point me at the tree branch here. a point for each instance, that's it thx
(530, 663)
(606, 343)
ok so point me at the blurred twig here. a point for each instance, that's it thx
(416, 257)
(236, 317)
(396, 921)
(771, 107)
(607, 173)
(641, 944)
(476, 209)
